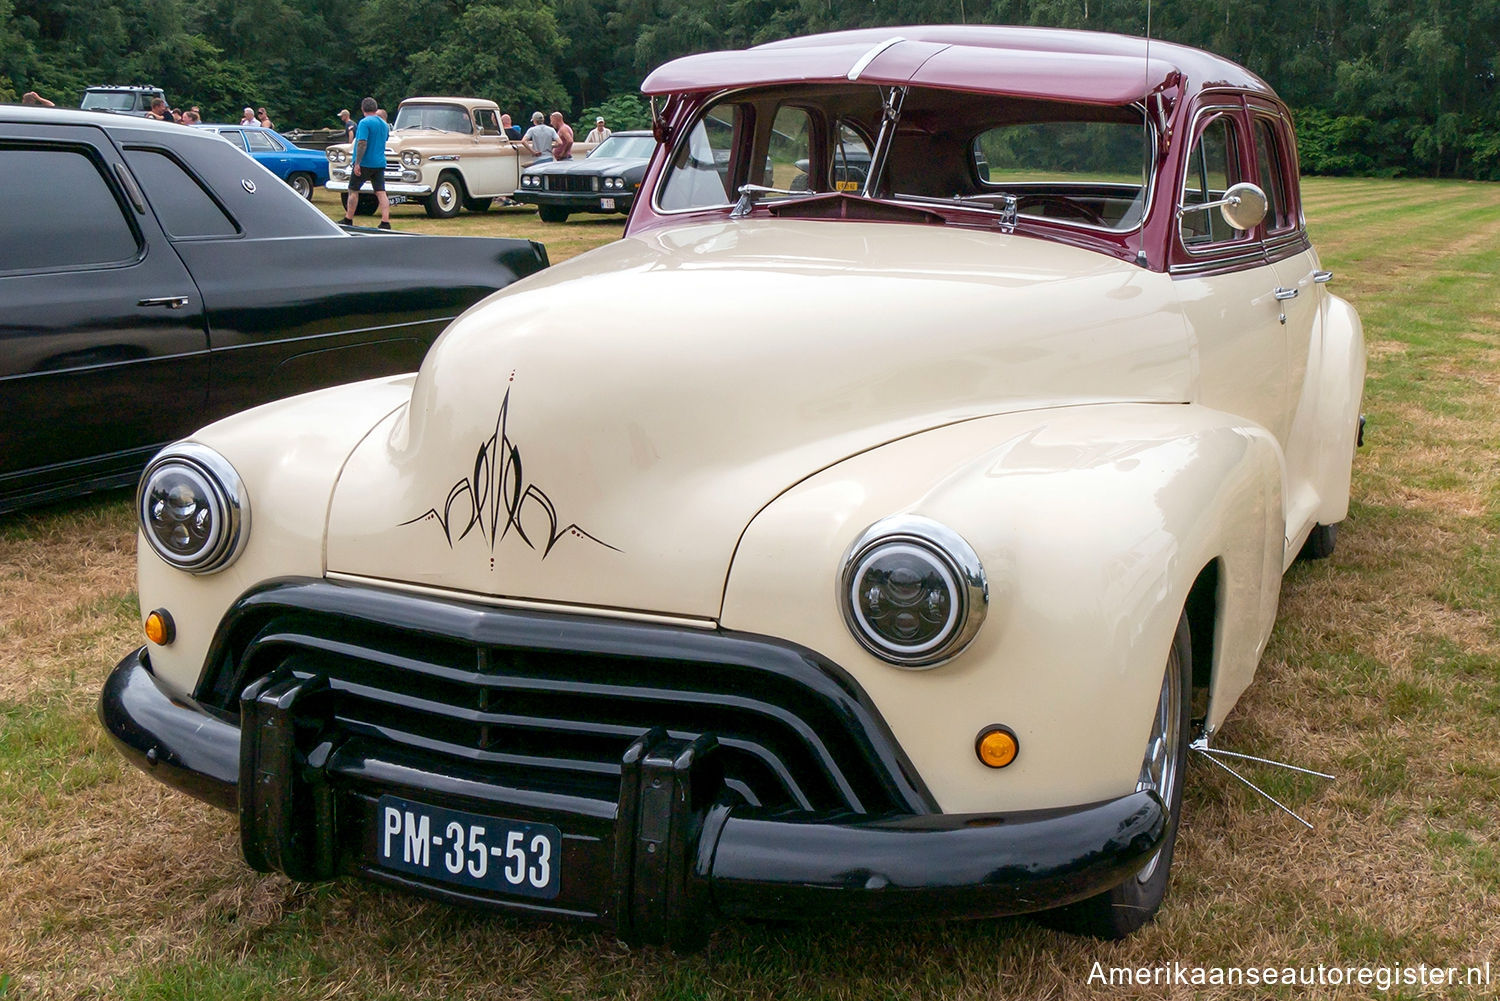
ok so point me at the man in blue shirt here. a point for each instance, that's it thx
(369, 163)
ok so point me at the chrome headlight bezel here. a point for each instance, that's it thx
(218, 490)
(411, 159)
(955, 565)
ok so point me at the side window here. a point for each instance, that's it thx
(260, 142)
(1269, 163)
(851, 159)
(699, 173)
(788, 152)
(85, 227)
(235, 136)
(1212, 167)
(184, 208)
(488, 120)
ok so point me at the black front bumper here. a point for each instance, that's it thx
(657, 864)
(576, 201)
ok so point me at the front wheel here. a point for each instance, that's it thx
(302, 184)
(551, 213)
(1116, 913)
(446, 198)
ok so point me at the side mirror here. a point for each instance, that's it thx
(1243, 206)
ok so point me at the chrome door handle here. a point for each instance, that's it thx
(1283, 294)
(169, 301)
(1322, 277)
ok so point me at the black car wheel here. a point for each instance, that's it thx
(551, 213)
(302, 184)
(1116, 913)
(446, 199)
(368, 205)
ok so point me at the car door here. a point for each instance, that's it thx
(1225, 284)
(269, 153)
(103, 345)
(1299, 281)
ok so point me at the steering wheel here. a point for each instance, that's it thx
(1066, 208)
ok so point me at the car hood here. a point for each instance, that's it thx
(588, 165)
(602, 433)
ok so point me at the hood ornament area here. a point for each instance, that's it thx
(496, 499)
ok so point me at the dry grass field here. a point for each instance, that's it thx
(1384, 669)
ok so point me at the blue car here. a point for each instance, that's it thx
(303, 169)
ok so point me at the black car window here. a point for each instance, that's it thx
(184, 208)
(261, 143)
(84, 227)
(235, 136)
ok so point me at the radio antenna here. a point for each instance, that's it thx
(1150, 153)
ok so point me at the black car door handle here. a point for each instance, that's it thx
(169, 301)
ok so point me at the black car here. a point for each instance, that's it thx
(154, 278)
(604, 181)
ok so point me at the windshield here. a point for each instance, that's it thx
(439, 117)
(1074, 164)
(626, 147)
(110, 100)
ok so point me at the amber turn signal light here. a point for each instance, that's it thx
(159, 627)
(996, 746)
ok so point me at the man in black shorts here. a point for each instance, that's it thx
(368, 163)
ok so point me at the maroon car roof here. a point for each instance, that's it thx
(1088, 67)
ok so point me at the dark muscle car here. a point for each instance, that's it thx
(153, 278)
(604, 181)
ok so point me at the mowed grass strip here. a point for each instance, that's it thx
(1382, 670)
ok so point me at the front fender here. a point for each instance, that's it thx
(289, 455)
(1092, 523)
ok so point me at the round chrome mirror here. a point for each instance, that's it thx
(1244, 205)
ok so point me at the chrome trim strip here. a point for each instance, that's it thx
(865, 60)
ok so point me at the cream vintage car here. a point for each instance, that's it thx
(960, 397)
(447, 153)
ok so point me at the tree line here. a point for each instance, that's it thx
(1389, 87)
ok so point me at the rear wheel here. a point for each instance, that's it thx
(446, 198)
(1319, 544)
(551, 213)
(302, 184)
(1118, 912)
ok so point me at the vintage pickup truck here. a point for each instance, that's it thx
(447, 153)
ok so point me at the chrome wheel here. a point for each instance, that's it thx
(1159, 768)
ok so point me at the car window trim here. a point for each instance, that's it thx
(1228, 252)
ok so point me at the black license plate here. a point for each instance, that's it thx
(469, 849)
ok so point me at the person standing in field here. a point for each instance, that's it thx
(368, 162)
(599, 134)
(348, 125)
(562, 146)
(540, 138)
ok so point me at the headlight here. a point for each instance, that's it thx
(528, 181)
(193, 508)
(912, 591)
(336, 156)
(612, 182)
(411, 158)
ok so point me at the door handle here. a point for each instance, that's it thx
(1283, 294)
(169, 301)
(1322, 277)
